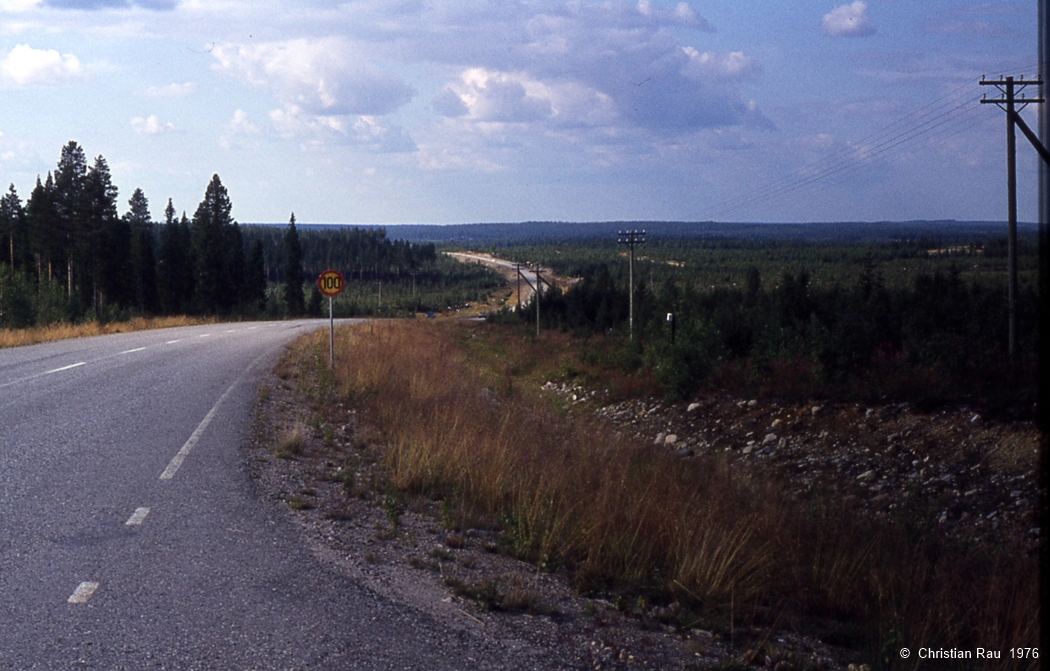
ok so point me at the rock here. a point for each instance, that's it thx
(769, 439)
(776, 423)
(752, 403)
(660, 438)
(866, 475)
(815, 409)
(693, 407)
(747, 450)
(685, 452)
(671, 439)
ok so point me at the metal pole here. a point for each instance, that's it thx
(630, 317)
(331, 334)
(631, 238)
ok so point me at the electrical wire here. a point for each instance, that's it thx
(946, 116)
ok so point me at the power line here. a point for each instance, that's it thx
(946, 116)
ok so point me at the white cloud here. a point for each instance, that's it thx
(171, 90)
(682, 14)
(26, 66)
(240, 124)
(734, 66)
(151, 125)
(495, 96)
(327, 76)
(18, 5)
(491, 96)
(364, 131)
(848, 21)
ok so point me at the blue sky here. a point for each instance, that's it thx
(412, 111)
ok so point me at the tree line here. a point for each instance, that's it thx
(68, 254)
(934, 339)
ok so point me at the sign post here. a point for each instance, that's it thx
(331, 283)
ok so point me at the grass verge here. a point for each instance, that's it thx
(39, 334)
(454, 406)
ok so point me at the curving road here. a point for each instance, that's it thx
(129, 534)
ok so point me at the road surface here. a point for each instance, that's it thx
(130, 537)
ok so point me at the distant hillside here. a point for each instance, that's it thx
(947, 232)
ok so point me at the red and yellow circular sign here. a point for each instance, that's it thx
(331, 283)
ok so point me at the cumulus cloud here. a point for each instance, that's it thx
(848, 21)
(324, 77)
(92, 5)
(18, 5)
(151, 125)
(734, 66)
(487, 95)
(589, 63)
(366, 132)
(495, 96)
(171, 90)
(240, 124)
(26, 66)
(682, 14)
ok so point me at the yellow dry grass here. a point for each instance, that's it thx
(39, 334)
(623, 515)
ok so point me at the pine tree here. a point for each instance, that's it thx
(13, 232)
(143, 260)
(168, 264)
(45, 240)
(212, 242)
(105, 249)
(71, 243)
(294, 298)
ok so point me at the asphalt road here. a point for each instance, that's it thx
(129, 534)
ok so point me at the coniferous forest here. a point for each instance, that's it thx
(68, 255)
(901, 316)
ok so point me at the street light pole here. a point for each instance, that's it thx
(631, 238)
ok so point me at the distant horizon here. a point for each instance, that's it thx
(962, 222)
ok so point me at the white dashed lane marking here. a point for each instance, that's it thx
(69, 367)
(129, 351)
(83, 592)
(137, 517)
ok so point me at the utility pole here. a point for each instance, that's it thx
(517, 267)
(1013, 100)
(539, 292)
(631, 238)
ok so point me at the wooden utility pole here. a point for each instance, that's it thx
(1013, 101)
(539, 292)
(631, 238)
(518, 268)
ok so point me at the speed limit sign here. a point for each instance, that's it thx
(331, 283)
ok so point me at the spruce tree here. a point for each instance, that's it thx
(105, 248)
(294, 298)
(13, 233)
(71, 245)
(214, 249)
(43, 231)
(169, 263)
(143, 259)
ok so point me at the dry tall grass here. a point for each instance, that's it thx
(628, 517)
(38, 334)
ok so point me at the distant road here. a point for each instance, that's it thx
(509, 270)
(130, 537)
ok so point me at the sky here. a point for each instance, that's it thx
(463, 111)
